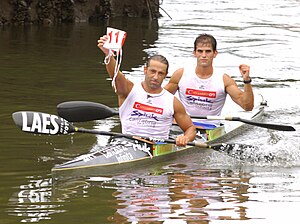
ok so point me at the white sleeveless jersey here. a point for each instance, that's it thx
(145, 114)
(202, 97)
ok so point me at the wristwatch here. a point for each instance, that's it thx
(248, 81)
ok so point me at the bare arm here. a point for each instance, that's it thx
(243, 98)
(123, 85)
(172, 85)
(185, 123)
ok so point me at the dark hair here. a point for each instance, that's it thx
(159, 58)
(204, 39)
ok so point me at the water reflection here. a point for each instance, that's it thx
(32, 202)
(189, 196)
(175, 193)
(194, 195)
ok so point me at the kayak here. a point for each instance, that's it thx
(125, 155)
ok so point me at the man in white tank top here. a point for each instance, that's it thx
(146, 109)
(201, 90)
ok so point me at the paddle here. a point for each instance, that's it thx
(80, 111)
(278, 127)
(42, 123)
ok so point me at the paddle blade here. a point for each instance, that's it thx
(278, 127)
(42, 123)
(81, 111)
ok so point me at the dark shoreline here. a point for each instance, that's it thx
(48, 12)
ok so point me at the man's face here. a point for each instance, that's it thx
(155, 73)
(204, 54)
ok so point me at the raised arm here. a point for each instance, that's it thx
(185, 123)
(243, 98)
(123, 85)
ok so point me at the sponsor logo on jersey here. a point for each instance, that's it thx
(201, 93)
(148, 108)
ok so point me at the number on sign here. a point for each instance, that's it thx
(110, 36)
(116, 39)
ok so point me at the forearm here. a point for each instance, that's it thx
(189, 136)
(109, 59)
(248, 97)
(190, 133)
(110, 67)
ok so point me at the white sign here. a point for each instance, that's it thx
(116, 39)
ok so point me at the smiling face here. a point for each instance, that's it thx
(155, 73)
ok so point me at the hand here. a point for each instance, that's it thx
(245, 71)
(181, 140)
(101, 42)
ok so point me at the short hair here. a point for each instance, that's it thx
(159, 58)
(205, 38)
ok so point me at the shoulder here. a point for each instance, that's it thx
(177, 104)
(166, 95)
(172, 85)
(179, 108)
(175, 78)
(125, 89)
(227, 79)
(135, 86)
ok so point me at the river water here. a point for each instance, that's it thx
(43, 66)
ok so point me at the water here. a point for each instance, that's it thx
(43, 66)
